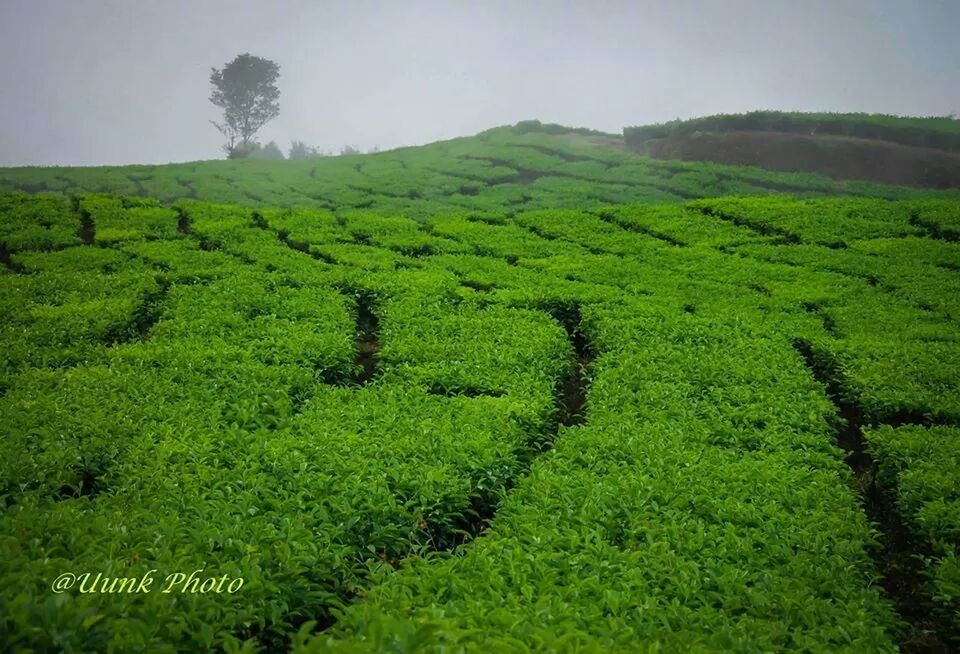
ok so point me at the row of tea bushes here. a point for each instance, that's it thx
(702, 506)
(920, 468)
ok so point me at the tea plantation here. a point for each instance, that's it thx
(503, 394)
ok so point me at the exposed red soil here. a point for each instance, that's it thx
(835, 156)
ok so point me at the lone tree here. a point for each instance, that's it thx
(246, 90)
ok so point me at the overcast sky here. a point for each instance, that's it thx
(127, 81)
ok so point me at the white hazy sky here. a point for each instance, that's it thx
(127, 81)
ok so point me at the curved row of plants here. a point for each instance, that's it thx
(180, 390)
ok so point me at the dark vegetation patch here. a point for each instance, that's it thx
(275, 637)
(415, 251)
(829, 325)
(899, 559)
(138, 182)
(572, 390)
(536, 231)
(188, 185)
(150, 307)
(933, 229)
(88, 481)
(207, 245)
(7, 261)
(759, 288)
(284, 237)
(566, 156)
(778, 186)
(760, 228)
(183, 222)
(529, 177)
(612, 219)
(477, 286)
(486, 220)
(571, 393)
(367, 335)
(455, 390)
(937, 133)
(145, 316)
(87, 230)
(836, 157)
(33, 187)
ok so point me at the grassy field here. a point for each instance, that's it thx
(517, 392)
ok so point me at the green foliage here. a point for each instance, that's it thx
(502, 171)
(920, 468)
(934, 132)
(246, 90)
(270, 151)
(365, 411)
(300, 151)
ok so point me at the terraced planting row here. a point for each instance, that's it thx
(679, 427)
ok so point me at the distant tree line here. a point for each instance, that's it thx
(298, 151)
(941, 133)
(528, 126)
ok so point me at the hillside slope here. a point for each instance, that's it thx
(921, 152)
(506, 169)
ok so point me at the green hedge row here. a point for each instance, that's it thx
(939, 133)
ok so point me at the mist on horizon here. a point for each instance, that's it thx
(114, 82)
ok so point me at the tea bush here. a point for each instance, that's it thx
(426, 424)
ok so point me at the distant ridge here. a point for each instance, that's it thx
(910, 151)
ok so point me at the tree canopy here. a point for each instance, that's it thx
(247, 92)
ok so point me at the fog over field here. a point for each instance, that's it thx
(126, 81)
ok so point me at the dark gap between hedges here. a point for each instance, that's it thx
(284, 237)
(464, 391)
(7, 261)
(570, 392)
(572, 389)
(898, 558)
(89, 483)
(932, 229)
(759, 228)
(477, 286)
(368, 338)
(367, 325)
(145, 316)
(611, 219)
(477, 515)
(829, 325)
(183, 222)
(88, 230)
(273, 641)
(210, 245)
(536, 231)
